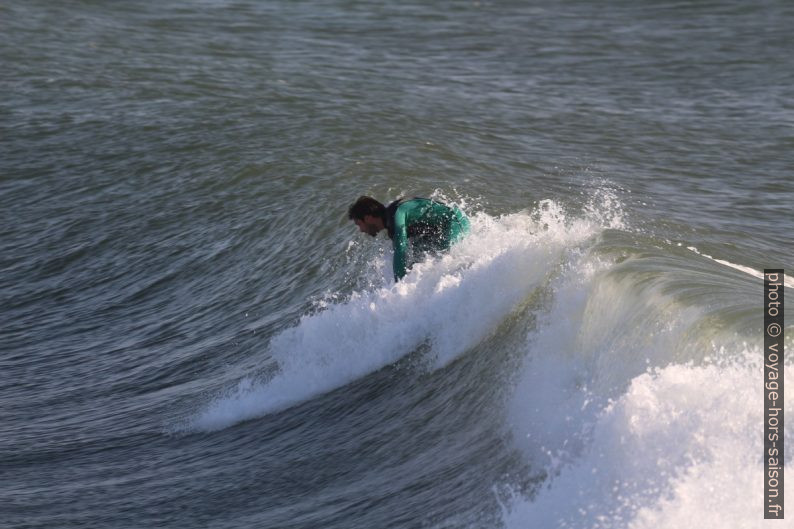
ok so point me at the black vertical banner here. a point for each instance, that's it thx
(773, 394)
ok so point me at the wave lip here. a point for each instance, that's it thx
(788, 281)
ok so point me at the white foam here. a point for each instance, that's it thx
(681, 448)
(452, 302)
(623, 446)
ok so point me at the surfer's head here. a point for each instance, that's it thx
(368, 214)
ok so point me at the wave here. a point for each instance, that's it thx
(631, 414)
(450, 303)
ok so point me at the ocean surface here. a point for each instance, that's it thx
(194, 335)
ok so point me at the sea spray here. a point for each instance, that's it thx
(451, 302)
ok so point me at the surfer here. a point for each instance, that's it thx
(429, 225)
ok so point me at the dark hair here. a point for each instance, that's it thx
(366, 206)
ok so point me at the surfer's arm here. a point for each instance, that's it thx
(400, 242)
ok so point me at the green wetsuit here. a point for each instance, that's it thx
(429, 225)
